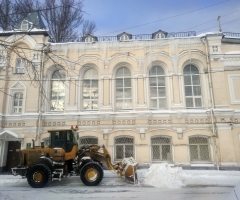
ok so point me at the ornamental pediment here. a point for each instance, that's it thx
(8, 135)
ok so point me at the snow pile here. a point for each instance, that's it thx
(163, 176)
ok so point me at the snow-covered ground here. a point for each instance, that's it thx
(155, 182)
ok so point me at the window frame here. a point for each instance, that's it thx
(58, 91)
(198, 149)
(19, 100)
(20, 68)
(124, 147)
(124, 37)
(86, 138)
(25, 23)
(160, 149)
(160, 36)
(123, 78)
(193, 97)
(158, 86)
(91, 89)
(89, 39)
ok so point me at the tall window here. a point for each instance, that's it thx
(161, 148)
(20, 64)
(90, 90)
(58, 90)
(193, 94)
(124, 148)
(199, 149)
(123, 89)
(17, 102)
(157, 88)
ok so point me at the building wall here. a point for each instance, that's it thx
(217, 119)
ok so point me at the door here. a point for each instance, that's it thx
(13, 159)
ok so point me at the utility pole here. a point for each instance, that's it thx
(219, 23)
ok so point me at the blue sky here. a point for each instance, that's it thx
(115, 16)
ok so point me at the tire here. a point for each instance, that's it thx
(91, 174)
(38, 176)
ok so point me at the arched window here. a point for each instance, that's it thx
(159, 35)
(88, 141)
(124, 37)
(17, 102)
(157, 88)
(58, 90)
(193, 94)
(89, 39)
(161, 148)
(123, 89)
(199, 148)
(124, 148)
(90, 90)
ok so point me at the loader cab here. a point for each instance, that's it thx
(65, 139)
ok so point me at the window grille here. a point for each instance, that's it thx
(58, 91)
(123, 89)
(124, 148)
(161, 149)
(20, 65)
(192, 86)
(88, 141)
(17, 102)
(90, 90)
(157, 87)
(199, 149)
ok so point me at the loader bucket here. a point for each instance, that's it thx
(128, 169)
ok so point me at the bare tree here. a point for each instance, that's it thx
(63, 17)
(88, 27)
(63, 20)
(27, 6)
(7, 18)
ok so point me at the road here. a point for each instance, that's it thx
(200, 185)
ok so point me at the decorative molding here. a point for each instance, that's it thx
(123, 122)
(45, 124)
(13, 125)
(162, 121)
(89, 123)
(197, 121)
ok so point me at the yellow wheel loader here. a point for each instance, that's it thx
(41, 165)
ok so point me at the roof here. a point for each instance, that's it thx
(35, 20)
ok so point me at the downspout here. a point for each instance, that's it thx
(40, 96)
(204, 40)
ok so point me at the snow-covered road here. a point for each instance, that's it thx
(195, 184)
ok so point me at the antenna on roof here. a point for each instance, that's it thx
(219, 23)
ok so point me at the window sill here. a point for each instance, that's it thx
(16, 114)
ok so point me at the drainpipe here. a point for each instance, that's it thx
(40, 99)
(204, 40)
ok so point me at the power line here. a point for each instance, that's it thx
(178, 15)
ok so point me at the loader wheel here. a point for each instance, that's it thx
(91, 174)
(38, 176)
